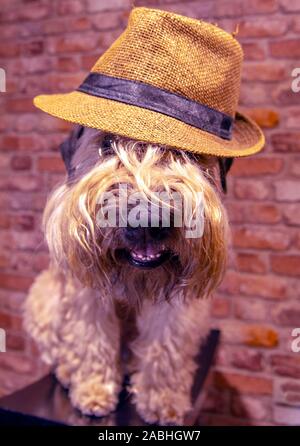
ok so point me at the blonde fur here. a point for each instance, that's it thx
(70, 310)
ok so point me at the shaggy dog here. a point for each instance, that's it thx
(142, 286)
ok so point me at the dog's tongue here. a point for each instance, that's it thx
(148, 251)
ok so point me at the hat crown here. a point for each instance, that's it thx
(178, 54)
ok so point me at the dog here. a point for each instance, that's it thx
(77, 309)
(137, 233)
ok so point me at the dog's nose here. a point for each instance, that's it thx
(160, 233)
(139, 233)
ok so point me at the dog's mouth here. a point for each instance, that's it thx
(145, 259)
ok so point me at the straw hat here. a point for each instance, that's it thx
(167, 79)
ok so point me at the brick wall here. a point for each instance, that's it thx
(49, 46)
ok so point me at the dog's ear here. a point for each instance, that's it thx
(69, 146)
(224, 165)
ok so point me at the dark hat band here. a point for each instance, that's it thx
(153, 98)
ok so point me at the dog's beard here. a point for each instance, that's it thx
(136, 270)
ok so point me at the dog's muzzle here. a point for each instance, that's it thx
(146, 247)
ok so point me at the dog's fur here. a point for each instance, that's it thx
(78, 311)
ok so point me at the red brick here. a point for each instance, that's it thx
(253, 213)
(16, 362)
(290, 5)
(9, 49)
(249, 407)
(262, 213)
(20, 182)
(291, 386)
(295, 167)
(243, 383)
(235, 332)
(51, 124)
(254, 51)
(33, 48)
(251, 309)
(285, 49)
(4, 261)
(32, 12)
(25, 201)
(27, 240)
(287, 315)
(15, 282)
(14, 302)
(15, 342)
(284, 95)
(56, 26)
(220, 307)
(256, 166)
(288, 265)
(266, 72)
(41, 262)
(20, 105)
(251, 189)
(287, 190)
(240, 7)
(105, 39)
(286, 365)
(54, 179)
(214, 401)
(291, 213)
(68, 64)
(296, 24)
(252, 263)
(69, 7)
(5, 221)
(247, 359)
(27, 122)
(39, 64)
(260, 238)
(9, 321)
(255, 94)
(31, 143)
(264, 117)
(286, 142)
(23, 222)
(9, 142)
(266, 286)
(95, 5)
(7, 122)
(66, 81)
(287, 392)
(88, 61)
(72, 43)
(259, 336)
(291, 117)
(9, 31)
(50, 164)
(284, 415)
(260, 27)
(22, 263)
(19, 162)
(108, 20)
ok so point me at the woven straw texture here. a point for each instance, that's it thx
(185, 56)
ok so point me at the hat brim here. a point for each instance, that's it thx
(150, 126)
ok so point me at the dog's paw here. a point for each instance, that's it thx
(94, 398)
(164, 407)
